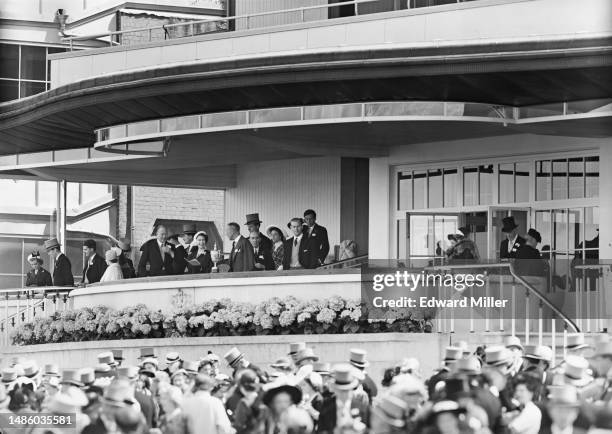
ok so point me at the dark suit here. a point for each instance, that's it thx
(42, 278)
(265, 242)
(62, 272)
(329, 413)
(94, 271)
(180, 259)
(264, 257)
(529, 262)
(503, 248)
(127, 267)
(307, 254)
(242, 257)
(205, 261)
(320, 242)
(152, 255)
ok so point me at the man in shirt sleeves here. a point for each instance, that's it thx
(94, 267)
(157, 254)
(62, 270)
(317, 234)
(242, 257)
(510, 246)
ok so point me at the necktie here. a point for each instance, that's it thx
(295, 242)
(233, 245)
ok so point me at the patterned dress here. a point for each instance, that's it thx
(278, 252)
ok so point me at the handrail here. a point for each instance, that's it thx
(228, 19)
(357, 260)
(521, 280)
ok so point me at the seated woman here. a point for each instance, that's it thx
(199, 254)
(113, 270)
(277, 236)
(37, 276)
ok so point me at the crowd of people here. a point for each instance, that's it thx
(306, 247)
(504, 388)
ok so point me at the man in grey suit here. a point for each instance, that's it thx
(242, 257)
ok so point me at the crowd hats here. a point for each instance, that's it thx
(118, 355)
(575, 370)
(128, 372)
(281, 386)
(189, 229)
(253, 219)
(31, 369)
(191, 366)
(407, 384)
(498, 355)
(343, 377)
(603, 349)
(358, 358)
(71, 377)
(322, 368)
(51, 244)
(106, 358)
(391, 410)
(149, 361)
(535, 235)
(508, 224)
(452, 354)
(172, 357)
(306, 354)
(103, 370)
(539, 352)
(513, 342)
(296, 347)
(282, 364)
(149, 372)
(119, 394)
(88, 376)
(62, 403)
(9, 375)
(468, 365)
(575, 341)
(51, 370)
(233, 356)
(146, 353)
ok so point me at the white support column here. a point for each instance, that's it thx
(61, 213)
(605, 230)
(379, 244)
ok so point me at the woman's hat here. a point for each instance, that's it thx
(343, 377)
(111, 255)
(306, 354)
(124, 244)
(358, 358)
(508, 224)
(575, 341)
(277, 228)
(391, 410)
(273, 389)
(201, 233)
(535, 235)
(51, 244)
(35, 256)
(233, 356)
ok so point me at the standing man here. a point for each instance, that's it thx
(62, 271)
(94, 268)
(509, 247)
(252, 224)
(529, 261)
(317, 234)
(157, 254)
(242, 257)
(182, 250)
(299, 251)
(263, 257)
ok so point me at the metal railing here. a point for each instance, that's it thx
(355, 262)
(116, 37)
(20, 306)
(590, 295)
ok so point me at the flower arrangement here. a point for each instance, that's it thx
(213, 318)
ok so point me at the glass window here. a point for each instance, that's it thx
(451, 187)
(404, 190)
(576, 178)
(72, 195)
(52, 50)
(521, 181)
(560, 230)
(486, 184)
(33, 61)
(506, 183)
(29, 88)
(420, 190)
(470, 186)
(47, 194)
(543, 180)
(9, 66)
(435, 189)
(559, 179)
(543, 226)
(9, 90)
(592, 176)
(591, 225)
(402, 238)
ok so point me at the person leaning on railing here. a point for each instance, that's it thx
(37, 276)
(528, 260)
(62, 271)
(127, 266)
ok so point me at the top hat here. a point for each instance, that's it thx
(172, 357)
(575, 341)
(233, 356)
(576, 370)
(103, 370)
(252, 218)
(51, 370)
(513, 342)
(296, 347)
(498, 355)
(124, 244)
(322, 368)
(189, 229)
(535, 235)
(106, 358)
(343, 377)
(563, 396)
(539, 352)
(391, 410)
(119, 393)
(358, 358)
(452, 354)
(9, 375)
(282, 364)
(147, 352)
(88, 376)
(51, 244)
(118, 355)
(191, 366)
(129, 372)
(508, 224)
(603, 349)
(306, 354)
(468, 365)
(31, 369)
(71, 376)
(457, 387)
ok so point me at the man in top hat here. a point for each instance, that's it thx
(253, 223)
(263, 256)
(563, 408)
(183, 248)
(147, 353)
(575, 344)
(237, 361)
(295, 348)
(62, 270)
(299, 250)
(107, 358)
(317, 234)
(173, 362)
(126, 264)
(118, 356)
(529, 261)
(95, 265)
(513, 343)
(451, 355)
(37, 276)
(157, 258)
(510, 245)
(242, 256)
(358, 358)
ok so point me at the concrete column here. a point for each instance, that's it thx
(379, 209)
(61, 213)
(605, 230)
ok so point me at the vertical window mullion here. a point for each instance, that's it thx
(19, 72)
(427, 189)
(412, 187)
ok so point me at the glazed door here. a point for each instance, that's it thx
(427, 236)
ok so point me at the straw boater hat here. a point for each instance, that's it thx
(296, 347)
(343, 377)
(51, 244)
(452, 354)
(306, 354)
(575, 371)
(172, 357)
(539, 352)
(498, 355)
(575, 341)
(513, 342)
(358, 358)
(233, 356)
(391, 410)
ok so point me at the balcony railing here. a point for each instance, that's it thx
(249, 21)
